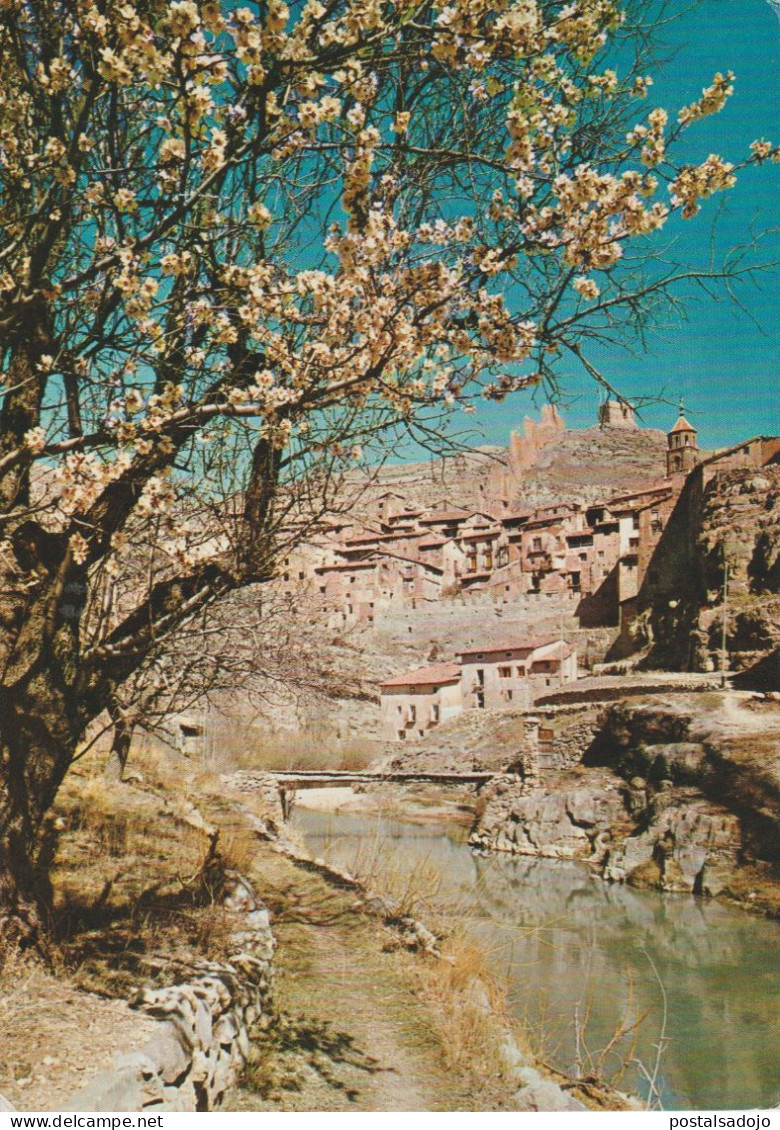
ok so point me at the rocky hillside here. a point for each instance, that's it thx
(584, 465)
(592, 464)
(741, 526)
(735, 529)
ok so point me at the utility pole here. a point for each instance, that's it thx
(560, 662)
(724, 625)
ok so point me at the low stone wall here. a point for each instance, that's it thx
(616, 688)
(194, 1060)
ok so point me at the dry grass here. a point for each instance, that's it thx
(301, 750)
(133, 878)
(414, 890)
(468, 1005)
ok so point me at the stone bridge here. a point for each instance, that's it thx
(292, 781)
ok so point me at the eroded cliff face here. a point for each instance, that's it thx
(666, 796)
(729, 532)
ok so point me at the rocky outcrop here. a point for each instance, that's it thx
(665, 798)
(723, 539)
(567, 823)
(194, 1060)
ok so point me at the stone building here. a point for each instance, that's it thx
(399, 555)
(511, 676)
(616, 414)
(417, 701)
(499, 677)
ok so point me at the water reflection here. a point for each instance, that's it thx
(585, 957)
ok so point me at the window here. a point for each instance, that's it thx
(505, 672)
(520, 671)
(480, 676)
(537, 545)
(435, 712)
(508, 694)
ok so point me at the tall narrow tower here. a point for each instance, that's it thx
(682, 450)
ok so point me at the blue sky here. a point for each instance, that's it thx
(723, 364)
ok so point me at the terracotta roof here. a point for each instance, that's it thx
(682, 425)
(446, 516)
(661, 488)
(426, 676)
(348, 567)
(586, 532)
(560, 651)
(360, 539)
(428, 566)
(433, 543)
(484, 532)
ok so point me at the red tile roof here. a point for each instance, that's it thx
(682, 425)
(348, 567)
(483, 532)
(426, 676)
(446, 516)
(513, 645)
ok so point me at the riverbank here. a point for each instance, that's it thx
(358, 1021)
(677, 793)
(599, 975)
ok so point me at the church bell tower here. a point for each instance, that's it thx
(682, 453)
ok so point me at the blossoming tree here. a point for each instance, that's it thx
(236, 244)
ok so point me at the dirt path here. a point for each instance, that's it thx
(351, 1033)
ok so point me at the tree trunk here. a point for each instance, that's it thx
(39, 731)
(30, 774)
(120, 743)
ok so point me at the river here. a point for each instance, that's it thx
(582, 957)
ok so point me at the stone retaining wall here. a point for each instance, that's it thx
(194, 1060)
